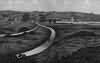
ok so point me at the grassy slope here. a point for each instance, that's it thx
(60, 47)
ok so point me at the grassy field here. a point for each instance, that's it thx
(66, 29)
(69, 38)
(23, 42)
(65, 45)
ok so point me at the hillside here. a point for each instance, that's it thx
(65, 48)
(77, 15)
(62, 15)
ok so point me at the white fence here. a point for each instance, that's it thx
(78, 22)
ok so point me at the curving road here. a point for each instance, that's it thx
(42, 47)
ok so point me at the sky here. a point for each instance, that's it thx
(51, 5)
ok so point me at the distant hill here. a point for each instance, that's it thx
(78, 15)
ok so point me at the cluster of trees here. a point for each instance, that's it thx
(12, 17)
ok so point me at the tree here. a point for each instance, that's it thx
(25, 17)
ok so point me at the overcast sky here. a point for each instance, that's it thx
(51, 5)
